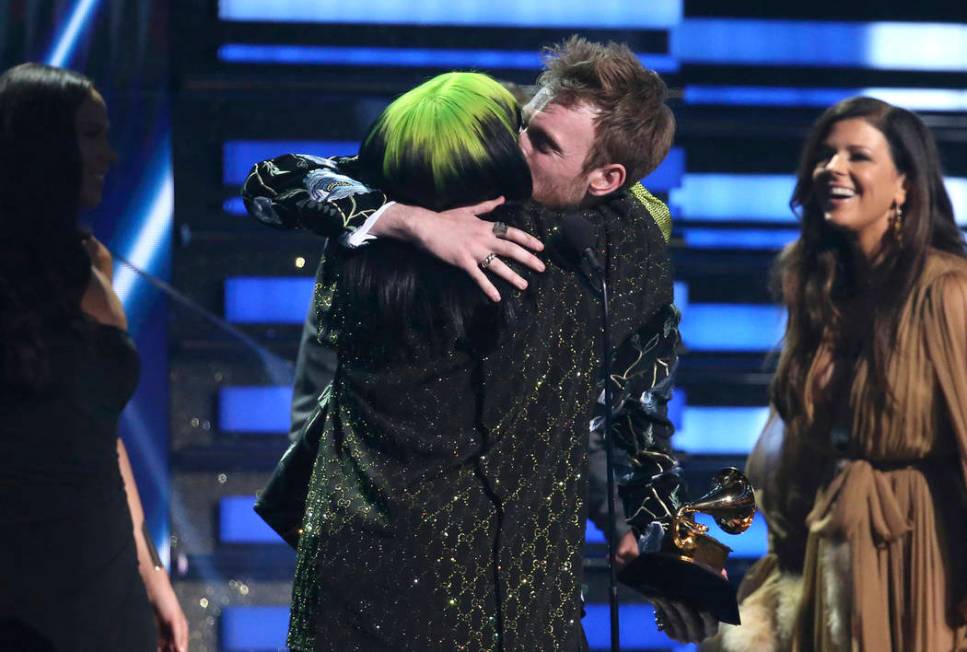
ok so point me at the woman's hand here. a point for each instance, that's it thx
(461, 238)
(171, 621)
(682, 623)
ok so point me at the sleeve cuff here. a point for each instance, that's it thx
(361, 235)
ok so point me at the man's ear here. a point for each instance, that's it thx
(606, 179)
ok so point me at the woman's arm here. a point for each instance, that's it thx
(101, 303)
(946, 336)
(321, 195)
(172, 624)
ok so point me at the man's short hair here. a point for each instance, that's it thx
(634, 126)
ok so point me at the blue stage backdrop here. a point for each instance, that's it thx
(199, 91)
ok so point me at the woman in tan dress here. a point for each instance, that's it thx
(861, 471)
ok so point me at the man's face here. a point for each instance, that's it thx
(556, 141)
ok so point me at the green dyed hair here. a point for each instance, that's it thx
(451, 140)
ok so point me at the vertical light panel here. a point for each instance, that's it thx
(66, 41)
(153, 232)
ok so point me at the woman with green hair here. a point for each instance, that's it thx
(445, 507)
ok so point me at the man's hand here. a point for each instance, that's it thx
(460, 238)
(626, 550)
(683, 623)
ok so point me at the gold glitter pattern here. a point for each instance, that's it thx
(445, 508)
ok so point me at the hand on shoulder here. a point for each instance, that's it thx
(460, 237)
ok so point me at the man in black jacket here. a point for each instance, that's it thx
(597, 124)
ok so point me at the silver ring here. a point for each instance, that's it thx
(485, 263)
(500, 229)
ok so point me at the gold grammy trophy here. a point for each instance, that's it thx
(690, 563)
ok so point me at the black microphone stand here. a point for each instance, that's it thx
(596, 270)
(579, 237)
(609, 457)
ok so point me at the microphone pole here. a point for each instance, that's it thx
(609, 451)
(579, 237)
(609, 456)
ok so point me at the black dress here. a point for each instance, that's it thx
(68, 560)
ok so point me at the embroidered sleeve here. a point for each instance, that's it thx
(642, 376)
(298, 191)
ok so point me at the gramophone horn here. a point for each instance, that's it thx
(730, 501)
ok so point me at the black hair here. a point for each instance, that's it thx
(449, 142)
(814, 275)
(44, 268)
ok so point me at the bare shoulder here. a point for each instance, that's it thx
(101, 303)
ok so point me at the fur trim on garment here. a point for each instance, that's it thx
(768, 616)
(834, 564)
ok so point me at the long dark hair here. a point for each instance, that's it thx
(448, 142)
(43, 266)
(815, 276)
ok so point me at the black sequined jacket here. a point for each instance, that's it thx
(446, 505)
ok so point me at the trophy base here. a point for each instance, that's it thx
(671, 576)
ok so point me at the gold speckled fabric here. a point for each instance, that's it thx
(659, 211)
(445, 510)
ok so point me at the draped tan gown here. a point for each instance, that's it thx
(868, 550)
